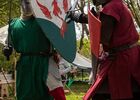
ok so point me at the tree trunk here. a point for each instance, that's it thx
(134, 6)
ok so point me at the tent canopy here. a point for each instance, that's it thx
(82, 62)
(3, 34)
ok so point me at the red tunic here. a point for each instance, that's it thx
(127, 62)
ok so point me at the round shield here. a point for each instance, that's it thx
(51, 15)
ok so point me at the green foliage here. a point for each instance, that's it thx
(78, 90)
(5, 10)
(4, 18)
(7, 66)
(85, 49)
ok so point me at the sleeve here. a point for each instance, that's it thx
(8, 49)
(113, 9)
(107, 28)
(84, 17)
(79, 17)
(65, 71)
(8, 40)
(64, 67)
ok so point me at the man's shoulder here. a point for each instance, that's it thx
(114, 4)
(13, 21)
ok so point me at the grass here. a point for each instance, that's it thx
(78, 90)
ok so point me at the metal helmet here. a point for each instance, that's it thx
(100, 2)
(26, 9)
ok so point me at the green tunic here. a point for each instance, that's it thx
(32, 70)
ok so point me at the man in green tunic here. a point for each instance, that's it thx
(28, 39)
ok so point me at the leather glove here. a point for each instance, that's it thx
(72, 16)
(7, 51)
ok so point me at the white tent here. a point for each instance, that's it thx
(79, 61)
(3, 34)
(82, 62)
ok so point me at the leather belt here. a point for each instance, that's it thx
(123, 47)
(37, 54)
(112, 52)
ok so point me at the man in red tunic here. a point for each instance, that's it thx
(121, 69)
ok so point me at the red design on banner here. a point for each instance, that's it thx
(63, 28)
(56, 9)
(45, 10)
(65, 4)
(57, 12)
